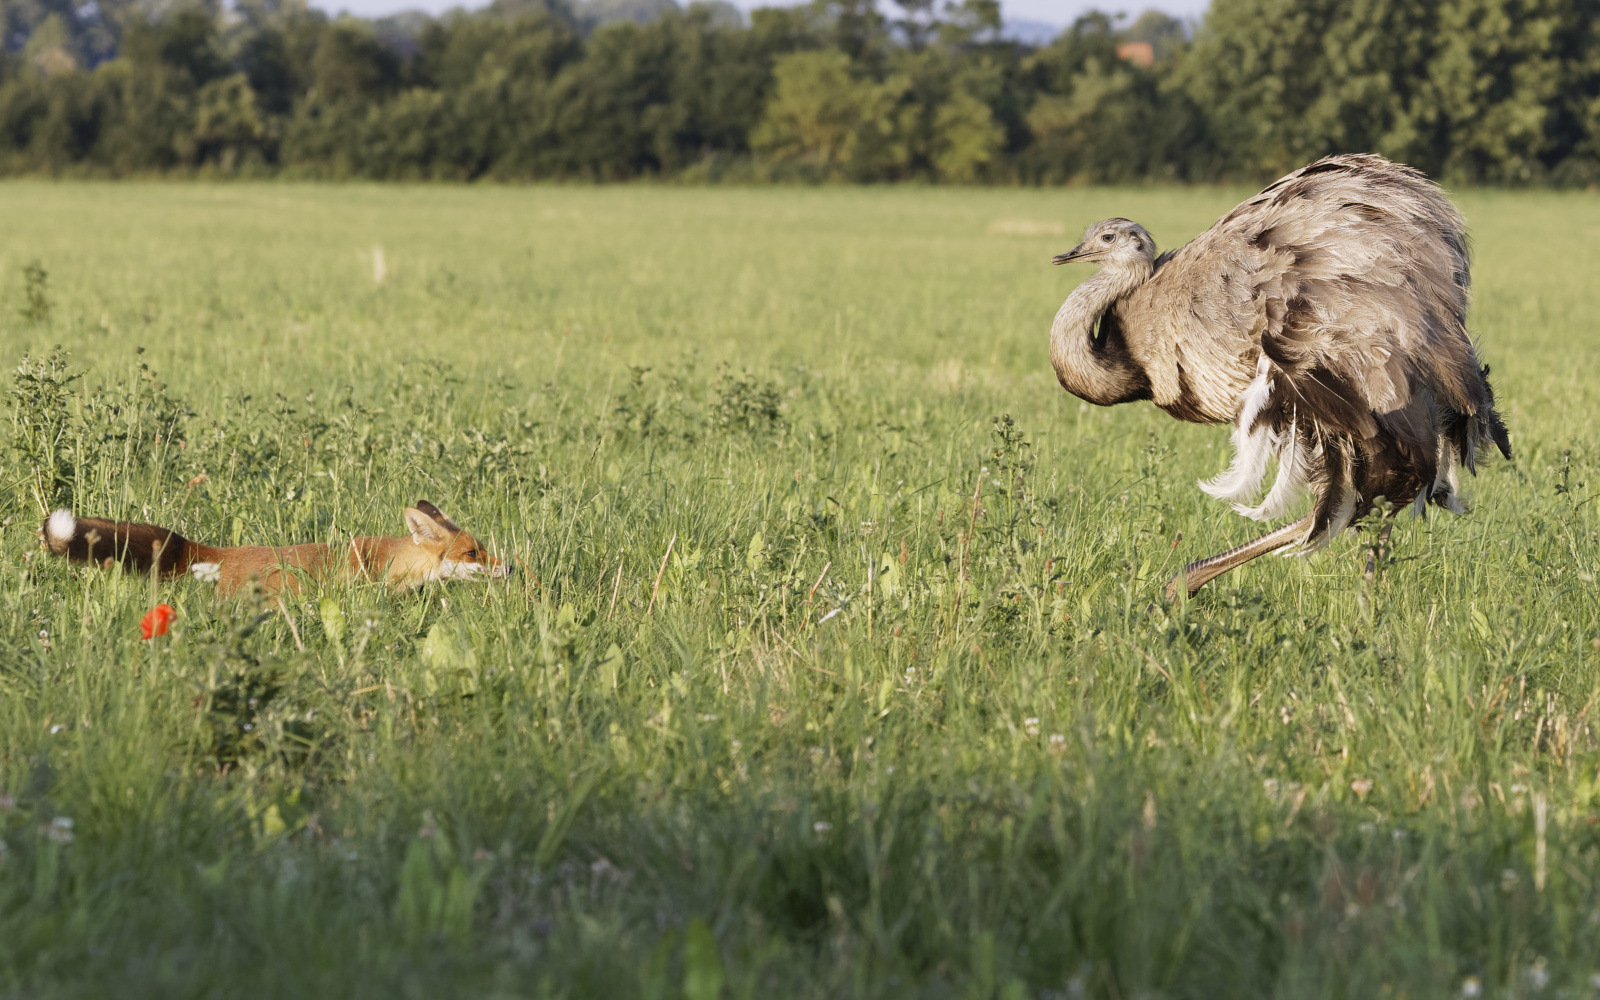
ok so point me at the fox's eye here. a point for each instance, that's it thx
(472, 553)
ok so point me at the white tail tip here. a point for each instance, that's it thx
(58, 530)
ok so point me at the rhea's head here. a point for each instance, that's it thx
(1112, 242)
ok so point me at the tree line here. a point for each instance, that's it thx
(1475, 91)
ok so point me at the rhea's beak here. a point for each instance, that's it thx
(1077, 253)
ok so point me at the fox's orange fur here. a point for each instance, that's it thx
(437, 549)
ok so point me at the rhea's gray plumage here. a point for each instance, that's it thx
(1325, 318)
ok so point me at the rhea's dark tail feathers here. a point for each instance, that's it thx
(142, 547)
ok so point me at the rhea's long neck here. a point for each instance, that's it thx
(1103, 372)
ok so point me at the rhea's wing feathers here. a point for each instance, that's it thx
(1351, 276)
(1193, 320)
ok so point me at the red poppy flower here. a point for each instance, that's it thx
(156, 621)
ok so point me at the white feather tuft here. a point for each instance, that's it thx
(1454, 506)
(59, 529)
(1251, 448)
(1290, 485)
(1444, 480)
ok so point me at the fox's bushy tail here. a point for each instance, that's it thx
(143, 547)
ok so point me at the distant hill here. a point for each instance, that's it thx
(594, 13)
(1030, 32)
(402, 30)
(514, 9)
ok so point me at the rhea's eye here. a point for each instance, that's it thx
(1107, 238)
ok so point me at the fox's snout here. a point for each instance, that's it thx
(472, 565)
(450, 570)
(467, 559)
(496, 570)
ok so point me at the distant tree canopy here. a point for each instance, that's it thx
(1496, 91)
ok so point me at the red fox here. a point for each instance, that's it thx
(438, 549)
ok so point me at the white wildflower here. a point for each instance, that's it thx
(1537, 975)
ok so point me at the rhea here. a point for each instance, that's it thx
(1325, 318)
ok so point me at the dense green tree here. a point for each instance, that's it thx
(657, 97)
(1501, 78)
(274, 45)
(822, 110)
(922, 109)
(150, 93)
(1497, 91)
(1098, 117)
(86, 33)
(228, 127)
(494, 78)
(1472, 89)
(48, 123)
(1167, 36)
(352, 67)
(353, 74)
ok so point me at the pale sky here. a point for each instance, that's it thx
(1058, 12)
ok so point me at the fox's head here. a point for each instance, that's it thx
(461, 557)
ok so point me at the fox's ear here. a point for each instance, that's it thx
(438, 515)
(425, 531)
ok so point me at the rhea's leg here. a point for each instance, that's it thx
(1198, 574)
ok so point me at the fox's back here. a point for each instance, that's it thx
(275, 566)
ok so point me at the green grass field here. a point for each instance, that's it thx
(972, 761)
